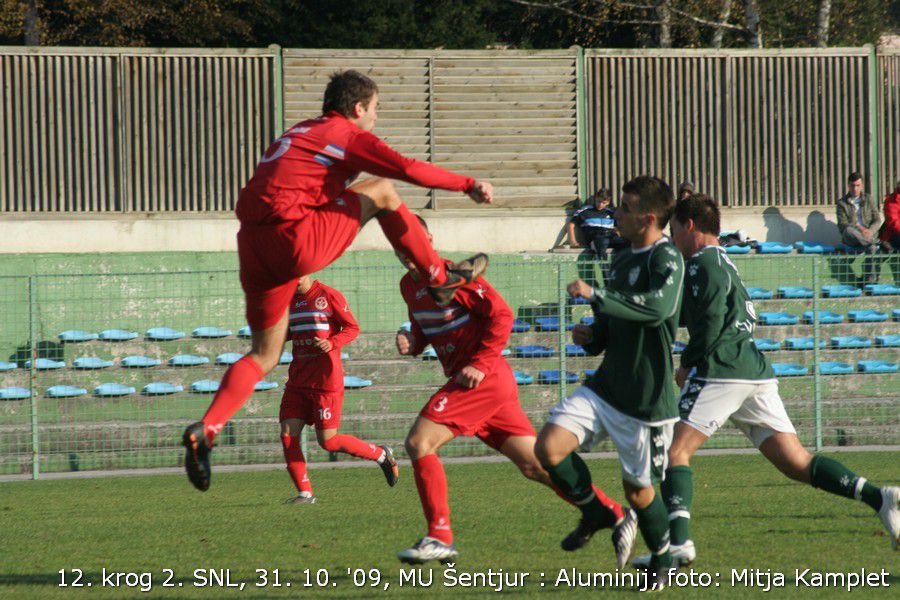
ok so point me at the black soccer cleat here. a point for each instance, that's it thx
(389, 466)
(581, 536)
(458, 275)
(196, 456)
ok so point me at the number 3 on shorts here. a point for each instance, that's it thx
(440, 404)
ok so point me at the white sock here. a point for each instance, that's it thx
(380, 459)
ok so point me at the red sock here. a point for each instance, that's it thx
(432, 484)
(406, 235)
(614, 507)
(296, 463)
(236, 387)
(352, 446)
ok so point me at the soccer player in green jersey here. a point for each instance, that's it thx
(723, 375)
(630, 399)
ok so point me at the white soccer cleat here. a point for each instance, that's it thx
(682, 556)
(427, 549)
(623, 536)
(890, 513)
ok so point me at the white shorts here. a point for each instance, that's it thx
(754, 407)
(643, 448)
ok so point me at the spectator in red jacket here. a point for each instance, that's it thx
(890, 231)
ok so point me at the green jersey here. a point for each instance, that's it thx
(720, 318)
(636, 320)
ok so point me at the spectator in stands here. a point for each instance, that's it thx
(685, 190)
(857, 218)
(594, 224)
(890, 231)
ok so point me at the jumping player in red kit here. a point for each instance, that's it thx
(298, 214)
(319, 325)
(479, 399)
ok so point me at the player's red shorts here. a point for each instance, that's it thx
(272, 257)
(491, 411)
(313, 407)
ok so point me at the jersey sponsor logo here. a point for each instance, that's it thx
(633, 275)
(300, 304)
(321, 303)
(421, 293)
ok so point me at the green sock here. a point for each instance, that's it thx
(654, 524)
(678, 492)
(830, 475)
(573, 479)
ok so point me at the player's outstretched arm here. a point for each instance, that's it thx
(341, 314)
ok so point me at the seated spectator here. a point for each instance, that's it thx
(890, 231)
(685, 190)
(857, 219)
(595, 224)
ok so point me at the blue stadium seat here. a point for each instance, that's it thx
(91, 362)
(589, 320)
(678, 347)
(228, 358)
(188, 360)
(795, 291)
(891, 340)
(767, 344)
(286, 358)
(826, 317)
(802, 343)
(161, 389)
(549, 324)
(65, 391)
(866, 316)
(244, 332)
(523, 378)
(778, 318)
(588, 373)
(429, 354)
(813, 248)
(265, 386)
(162, 334)
(533, 351)
(882, 289)
(738, 249)
(139, 362)
(77, 335)
(205, 386)
(789, 370)
(113, 389)
(896, 314)
(520, 326)
(353, 382)
(14, 393)
(758, 293)
(877, 366)
(505, 352)
(835, 368)
(8, 366)
(210, 332)
(841, 291)
(578, 300)
(550, 377)
(774, 248)
(118, 335)
(850, 341)
(46, 364)
(575, 350)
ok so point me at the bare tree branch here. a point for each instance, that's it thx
(723, 19)
(822, 19)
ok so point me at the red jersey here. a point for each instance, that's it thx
(891, 217)
(315, 160)
(472, 330)
(320, 313)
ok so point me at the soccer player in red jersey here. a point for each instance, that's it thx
(319, 325)
(298, 214)
(479, 399)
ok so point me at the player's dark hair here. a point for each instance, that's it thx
(603, 194)
(345, 89)
(422, 221)
(702, 210)
(654, 196)
(854, 176)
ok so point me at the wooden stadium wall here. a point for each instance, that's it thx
(889, 104)
(751, 128)
(506, 116)
(131, 130)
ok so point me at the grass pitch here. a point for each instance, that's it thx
(745, 516)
